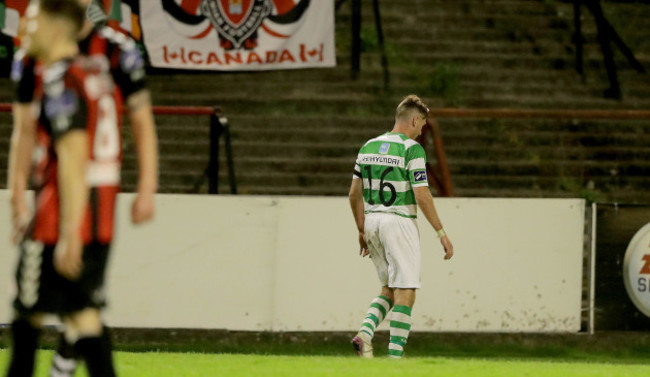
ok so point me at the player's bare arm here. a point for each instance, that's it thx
(146, 142)
(72, 152)
(425, 202)
(20, 153)
(356, 203)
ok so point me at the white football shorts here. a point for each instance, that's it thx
(394, 245)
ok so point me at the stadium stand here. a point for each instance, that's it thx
(298, 132)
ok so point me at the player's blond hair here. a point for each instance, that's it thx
(70, 10)
(410, 104)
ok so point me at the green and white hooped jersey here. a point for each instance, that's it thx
(391, 165)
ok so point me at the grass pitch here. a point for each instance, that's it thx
(155, 364)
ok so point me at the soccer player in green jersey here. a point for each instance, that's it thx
(388, 184)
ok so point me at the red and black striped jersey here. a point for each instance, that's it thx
(78, 94)
(108, 51)
(125, 63)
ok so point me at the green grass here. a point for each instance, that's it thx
(193, 364)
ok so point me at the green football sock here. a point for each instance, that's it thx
(377, 311)
(400, 326)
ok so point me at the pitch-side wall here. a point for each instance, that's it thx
(292, 264)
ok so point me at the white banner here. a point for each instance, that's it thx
(228, 35)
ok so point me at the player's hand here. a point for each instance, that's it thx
(19, 220)
(143, 208)
(67, 257)
(449, 248)
(363, 246)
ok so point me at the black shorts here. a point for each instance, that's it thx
(42, 290)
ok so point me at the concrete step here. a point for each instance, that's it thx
(448, 16)
(371, 77)
(548, 61)
(293, 104)
(428, 8)
(550, 154)
(170, 184)
(161, 80)
(546, 143)
(365, 105)
(631, 171)
(465, 84)
(558, 127)
(557, 168)
(559, 101)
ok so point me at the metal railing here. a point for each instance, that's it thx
(355, 50)
(607, 35)
(219, 127)
(540, 113)
(438, 172)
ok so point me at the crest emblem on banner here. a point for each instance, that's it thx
(236, 21)
(239, 34)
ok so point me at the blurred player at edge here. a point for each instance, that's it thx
(388, 184)
(64, 252)
(127, 68)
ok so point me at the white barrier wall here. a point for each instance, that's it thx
(291, 264)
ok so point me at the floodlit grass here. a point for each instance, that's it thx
(191, 364)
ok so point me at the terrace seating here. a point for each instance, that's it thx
(298, 132)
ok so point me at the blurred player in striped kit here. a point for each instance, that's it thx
(65, 248)
(388, 184)
(126, 65)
